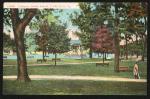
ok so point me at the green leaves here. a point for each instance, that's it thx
(30, 42)
(6, 17)
(58, 41)
(8, 43)
(45, 14)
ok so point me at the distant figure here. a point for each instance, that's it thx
(136, 71)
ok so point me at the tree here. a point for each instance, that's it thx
(8, 43)
(30, 42)
(138, 12)
(42, 39)
(19, 24)
(102, 41)
(58, 41)
(91, 16)
(94, 15)
(42, 24)
(115, 17)
(85, 23)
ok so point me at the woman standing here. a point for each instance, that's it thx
(136, 71)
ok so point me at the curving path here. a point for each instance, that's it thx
(64, 77)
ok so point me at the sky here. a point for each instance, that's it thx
(68, 9)
(64, 17)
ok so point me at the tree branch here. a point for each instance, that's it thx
(28, 16)
(14, 17)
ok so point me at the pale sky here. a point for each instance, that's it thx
(67, 8)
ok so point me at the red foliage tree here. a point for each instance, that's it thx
(102, 41)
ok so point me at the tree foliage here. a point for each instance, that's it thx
(30, 42)
(8, 43)
(88, 20)
(102, 40)
(58, 40)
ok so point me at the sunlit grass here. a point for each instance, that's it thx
(88, 69)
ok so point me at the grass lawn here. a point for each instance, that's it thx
(88, 69)
(64, 87)
(72, 87)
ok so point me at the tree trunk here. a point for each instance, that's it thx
(116, 40)
(103, 57)
(144, 40)
(81, 51)
(21, 60)
(121, 54)
(136, 40)
(55, 58)
(137, 54)
(144, 48)
(19, 26)
(132, 53)
(126, 47)
(90, 53)
(98, 54)
(43, 53)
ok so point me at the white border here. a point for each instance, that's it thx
(44, 5)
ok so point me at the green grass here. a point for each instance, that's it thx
(80, 69)
(72, 87)
(65, 87)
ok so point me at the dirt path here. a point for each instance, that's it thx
(61, 77)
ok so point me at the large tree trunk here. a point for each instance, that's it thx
(144, 39)
(18, 29)
(116, 40)
(21, 59)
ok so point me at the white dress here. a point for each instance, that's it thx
(135, 69)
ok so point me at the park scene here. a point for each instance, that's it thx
(85, 48)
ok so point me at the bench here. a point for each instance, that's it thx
(121, 58)
(107, 64)
(123, 68)
(57, 59)
(30, 56)
(41, 60)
